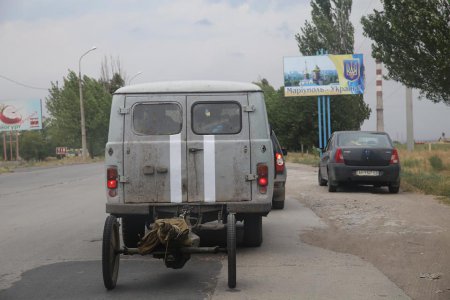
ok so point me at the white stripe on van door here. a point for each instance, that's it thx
(175, 169)
(209, 168)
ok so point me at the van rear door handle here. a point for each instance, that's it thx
(193, 150)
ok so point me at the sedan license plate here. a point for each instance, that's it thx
(367, 173)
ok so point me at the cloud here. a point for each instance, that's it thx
(204, 22)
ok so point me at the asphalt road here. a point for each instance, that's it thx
(51, 223)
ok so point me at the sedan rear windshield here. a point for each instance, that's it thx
(364, 139)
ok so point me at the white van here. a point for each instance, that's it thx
(198, 145)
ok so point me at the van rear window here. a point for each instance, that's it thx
(216, 118)
(157, 118)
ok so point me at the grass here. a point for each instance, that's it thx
(7, 167)
(422, 170)
(427, 171)
(303, 158)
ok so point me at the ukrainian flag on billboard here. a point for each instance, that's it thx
(323, 75)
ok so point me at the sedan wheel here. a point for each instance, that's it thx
(322, 182)
(394, 189)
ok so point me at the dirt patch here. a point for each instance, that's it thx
(406, 235)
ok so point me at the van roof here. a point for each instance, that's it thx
(193, 86)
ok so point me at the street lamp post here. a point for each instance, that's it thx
(84, 152)
(134, 76)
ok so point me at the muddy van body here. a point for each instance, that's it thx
(198, 145)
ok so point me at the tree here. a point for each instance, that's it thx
(412, 39)
(330, 29)
(63, 105)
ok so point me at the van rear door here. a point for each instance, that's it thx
(218, 148)
(154, 148)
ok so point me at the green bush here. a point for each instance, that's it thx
(436, 163)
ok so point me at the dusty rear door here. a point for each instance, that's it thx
(218, 148)
(155, 149)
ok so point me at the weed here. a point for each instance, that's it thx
(436, 163)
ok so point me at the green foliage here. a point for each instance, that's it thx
(429, 183)
(412, 40)
(33, 145)
(436, 163)
(295, 119)
(330, 29)
(63, 105)
(411, 163)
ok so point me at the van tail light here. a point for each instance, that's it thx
(394, 157)
(263, 177)
(111, 178)
(339, 157)
(279, 163)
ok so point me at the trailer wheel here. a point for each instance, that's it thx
(110, 252)
(231, 249)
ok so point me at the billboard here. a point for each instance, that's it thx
(20, 115)
(323, 75)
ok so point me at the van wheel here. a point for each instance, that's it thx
(231, 249)
(132, 230)
(253, 230)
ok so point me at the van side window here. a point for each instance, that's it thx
(157, 118)
(216, 118)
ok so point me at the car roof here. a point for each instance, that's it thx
(191, 86)
(356, 131)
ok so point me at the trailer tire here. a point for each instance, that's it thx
(231, 249)
(110, 252)
(253, 230)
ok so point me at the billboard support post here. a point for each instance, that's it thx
(5, 157)
(319, 113)
(329, 117)
(324, 122)
(17, 145)
(10, 146)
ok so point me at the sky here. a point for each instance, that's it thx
(233, 40)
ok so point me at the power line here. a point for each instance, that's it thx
(23, 84)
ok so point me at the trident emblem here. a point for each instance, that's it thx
(351, 69)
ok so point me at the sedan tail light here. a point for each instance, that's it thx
(279, 163)
(263, 177)
(394, 157)
(338, 156)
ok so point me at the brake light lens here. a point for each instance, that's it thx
(263, 177)
(339, 157)
(111, 178)
(279, 163)
(394, 157)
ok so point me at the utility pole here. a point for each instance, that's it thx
(409, 120)
(380, 118)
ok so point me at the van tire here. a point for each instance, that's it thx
(253, 230)
(231, 250)
(278, 204)
(133, 228)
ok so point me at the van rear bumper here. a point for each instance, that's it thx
(147, 208)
